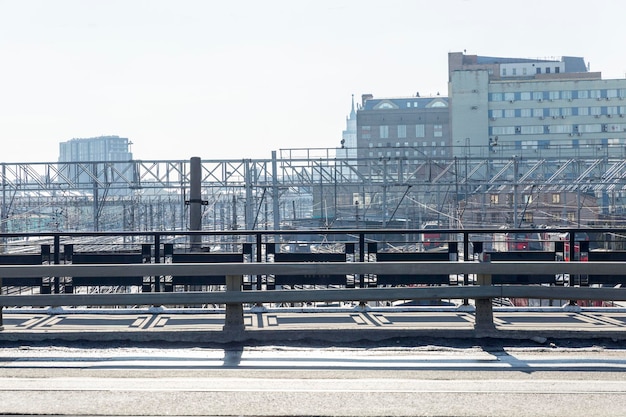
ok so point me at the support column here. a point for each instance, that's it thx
(195, 201)
(234, 312)
(484, 306)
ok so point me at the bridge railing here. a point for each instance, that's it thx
(234, 298)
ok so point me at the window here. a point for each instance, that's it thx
(537, 95)
(571, 216)
(566, 95)
(504, 72)
(438, 131)
(531, 130)
(419, 131)
(595, 94)
(583, 94)
(509, 113)
(525, 95)
(554, 95)
(538, 70)
(529, 144)
(528, 198)
(509, 96)
(384, 132)
(526, 113)
(556, 198)
(560, 129)
(402, 131)
(583, 111)
(528, 217)
(547, 70)
(503, 130)
(537, 112)
(493, 199)
(496, 113)
(496, 96)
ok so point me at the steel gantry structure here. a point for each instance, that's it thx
(300, 187)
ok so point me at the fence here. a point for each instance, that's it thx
(234, 298)
(365, 266)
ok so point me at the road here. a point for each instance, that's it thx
(424, 379)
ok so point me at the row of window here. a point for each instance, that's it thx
(567, 144)
(527, 217)
(617, 93)
(559, 112)
(514, 72)
(408, 154)
(560, 128)
(401, 131)
(494, 199)
(407, 144)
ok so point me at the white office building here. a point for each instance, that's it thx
(534, 107)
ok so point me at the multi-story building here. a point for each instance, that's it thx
(101, 149)
(526, 107)
(403, 128)
(98, 149)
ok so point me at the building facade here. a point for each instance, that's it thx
(102, 148)
(403, 128)
(527, 108)
(73, 155)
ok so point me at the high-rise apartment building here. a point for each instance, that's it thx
(102, 148)
(526, 107)
(76, 152)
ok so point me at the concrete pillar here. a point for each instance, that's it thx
(484, 306)
(234, 312)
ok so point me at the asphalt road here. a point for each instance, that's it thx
(418, 380)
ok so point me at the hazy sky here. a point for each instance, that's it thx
(240, 78)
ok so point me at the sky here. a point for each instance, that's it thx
(239, 79)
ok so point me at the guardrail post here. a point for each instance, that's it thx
(234, 312)
(484, 306)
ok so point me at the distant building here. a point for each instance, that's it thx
(97, 149)
(527, 107)
(349, 136)
(102, 148)
(403, 128)
(530, 207)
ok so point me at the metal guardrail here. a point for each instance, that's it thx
(234, 298)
